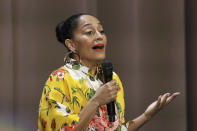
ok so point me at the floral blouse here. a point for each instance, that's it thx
(67, 91)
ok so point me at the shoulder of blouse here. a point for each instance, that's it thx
(57, 75)
(115, 76)
(61, 69)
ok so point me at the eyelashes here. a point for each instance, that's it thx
(92, 32)
(89, 32)
(102, 32)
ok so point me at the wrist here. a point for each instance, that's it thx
(146, 116)
(94, 102)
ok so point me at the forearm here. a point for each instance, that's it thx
(138, 122)
(86, 115)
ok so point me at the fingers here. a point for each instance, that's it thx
(172, 97)
(107, 92)
(111, 90)
(167, 98)
(112, 97)
(158, 101)
(163, 99)
(113, 85)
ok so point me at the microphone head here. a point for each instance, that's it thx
(106, 65)
(107, 70)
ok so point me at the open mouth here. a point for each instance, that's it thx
(98, 47)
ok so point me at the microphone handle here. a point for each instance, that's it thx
(111, 111)
(111, 105)
(108, 76)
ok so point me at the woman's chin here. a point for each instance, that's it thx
(99, 59)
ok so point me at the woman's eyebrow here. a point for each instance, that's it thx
(85, 25)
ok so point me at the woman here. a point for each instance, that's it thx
(74, 96)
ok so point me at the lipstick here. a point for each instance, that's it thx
(98, 47)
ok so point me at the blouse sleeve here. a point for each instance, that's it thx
(56, 111)
(120, 103)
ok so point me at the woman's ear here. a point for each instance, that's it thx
(70, 44)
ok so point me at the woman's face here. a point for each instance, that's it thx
(89, 39)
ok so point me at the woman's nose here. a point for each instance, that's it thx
(99, 36)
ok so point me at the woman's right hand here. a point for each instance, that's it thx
(106, 93)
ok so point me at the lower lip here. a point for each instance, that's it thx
(99, 50)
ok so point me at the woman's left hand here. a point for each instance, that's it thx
(159, 104)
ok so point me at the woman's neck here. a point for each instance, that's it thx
(90, 64)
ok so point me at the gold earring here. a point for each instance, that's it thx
(70, 55)
(67, 56)
(76, 53)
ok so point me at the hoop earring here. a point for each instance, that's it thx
(79, 58)
(69, 55)
(66, 57)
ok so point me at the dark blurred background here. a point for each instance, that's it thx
(150, 42)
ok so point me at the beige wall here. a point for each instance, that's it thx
(145, 43)
(6, 62)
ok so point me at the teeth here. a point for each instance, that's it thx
(98, 47)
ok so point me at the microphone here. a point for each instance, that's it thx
(108, 74)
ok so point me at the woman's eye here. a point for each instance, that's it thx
(89, 32)
(102, 32)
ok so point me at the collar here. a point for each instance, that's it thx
(74, 64)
